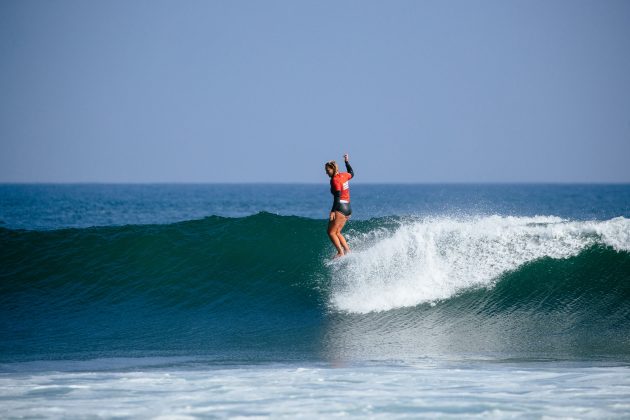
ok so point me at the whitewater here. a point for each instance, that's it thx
(433, 259)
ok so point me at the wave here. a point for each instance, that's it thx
(267, 281)
(435, 258)
(188, 264)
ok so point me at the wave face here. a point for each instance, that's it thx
(263, 287)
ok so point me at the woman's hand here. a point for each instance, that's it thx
(332, 216)
(345, 157)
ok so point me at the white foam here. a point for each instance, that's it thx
(434, 258)
(382, 391)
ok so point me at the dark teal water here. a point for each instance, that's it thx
(243, 272)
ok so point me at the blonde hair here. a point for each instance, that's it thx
(332, 165)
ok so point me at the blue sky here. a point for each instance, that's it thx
(266, 91)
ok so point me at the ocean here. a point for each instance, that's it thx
(222, 300)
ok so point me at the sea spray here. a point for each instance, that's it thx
(433, 259)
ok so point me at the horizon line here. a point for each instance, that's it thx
(313, 183)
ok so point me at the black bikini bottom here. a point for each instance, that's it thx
(345, 209)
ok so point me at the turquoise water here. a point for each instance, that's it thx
(231, 288)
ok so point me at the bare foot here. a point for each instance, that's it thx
(339, 255)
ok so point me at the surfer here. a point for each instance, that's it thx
(341, 211)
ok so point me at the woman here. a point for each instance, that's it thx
(341, 204)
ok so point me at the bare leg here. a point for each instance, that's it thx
(343, 242)
(340, 225)
(332, 234)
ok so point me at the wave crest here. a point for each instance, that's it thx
(427, 260)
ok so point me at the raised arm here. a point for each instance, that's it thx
(348, 167)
